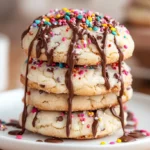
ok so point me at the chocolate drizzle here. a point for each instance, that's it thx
(53, 140)
(24, 115)
(102, 54)
(35, 118)
(68, 81)
(15, 132)
(95, 124)
(121, 92)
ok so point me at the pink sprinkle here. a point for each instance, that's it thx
(135, 119)
(89, 41)
(64, 39)
(19, 137)
(51, 33)
(78, 46)
(72, 116)
(147, 133)
(127, 32)
(84, 45)
(62, 114)
(34, 110)
(81, 72)
(125, 46)
(83, 19)
(82, 115)
(52, 19)
(112, 143)
(125, 107)
(125, 72)
(88, 126)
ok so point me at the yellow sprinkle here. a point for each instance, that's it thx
(58, 16)
(99, 119)
(90, 29)
(103, 143)
(47, 19)
(104, 25)
(90, 18)
(90, 114)
(64, 9)
(113, 29)
(93, 15)
(118, 141)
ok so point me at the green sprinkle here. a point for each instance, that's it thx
(67, 13)
(47, 23)
(80, 17)
(125, 37)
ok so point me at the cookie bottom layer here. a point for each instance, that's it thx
(54, 123)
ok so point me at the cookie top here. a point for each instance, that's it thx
(89, 36)
(87, 80)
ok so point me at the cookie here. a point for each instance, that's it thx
(86, 80)
(50, 38)
(59, 102)
(54, 123)
(139, 16)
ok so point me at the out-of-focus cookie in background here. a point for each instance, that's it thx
(15, 16)
(137, 19)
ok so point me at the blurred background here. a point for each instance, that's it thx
(16, 15)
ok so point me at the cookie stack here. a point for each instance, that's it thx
(75, 79)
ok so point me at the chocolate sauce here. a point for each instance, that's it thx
(132, 136)
(39, 141)
(95, 124)
(53, 140)
(24, 115)
(15, 132)
(14, 124)
(121, 92)
(68, 81)
(35, 118)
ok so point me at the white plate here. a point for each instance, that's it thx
(11, 106)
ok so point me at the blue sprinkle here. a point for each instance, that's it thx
(87, 22)
(90, 24)
(47, 23)
(37, 21)
(98, 19)
(67, 17)
(80, 17)
(114, 33)
(95, 28)
(61, 65)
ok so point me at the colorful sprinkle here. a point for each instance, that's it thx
(125, 46)
(95, 28)
(112, 143)
(67, 17)
(37, 21)
(103, 143)
(119, 141)
(80, 17)
(114, 33)
(19, 137)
